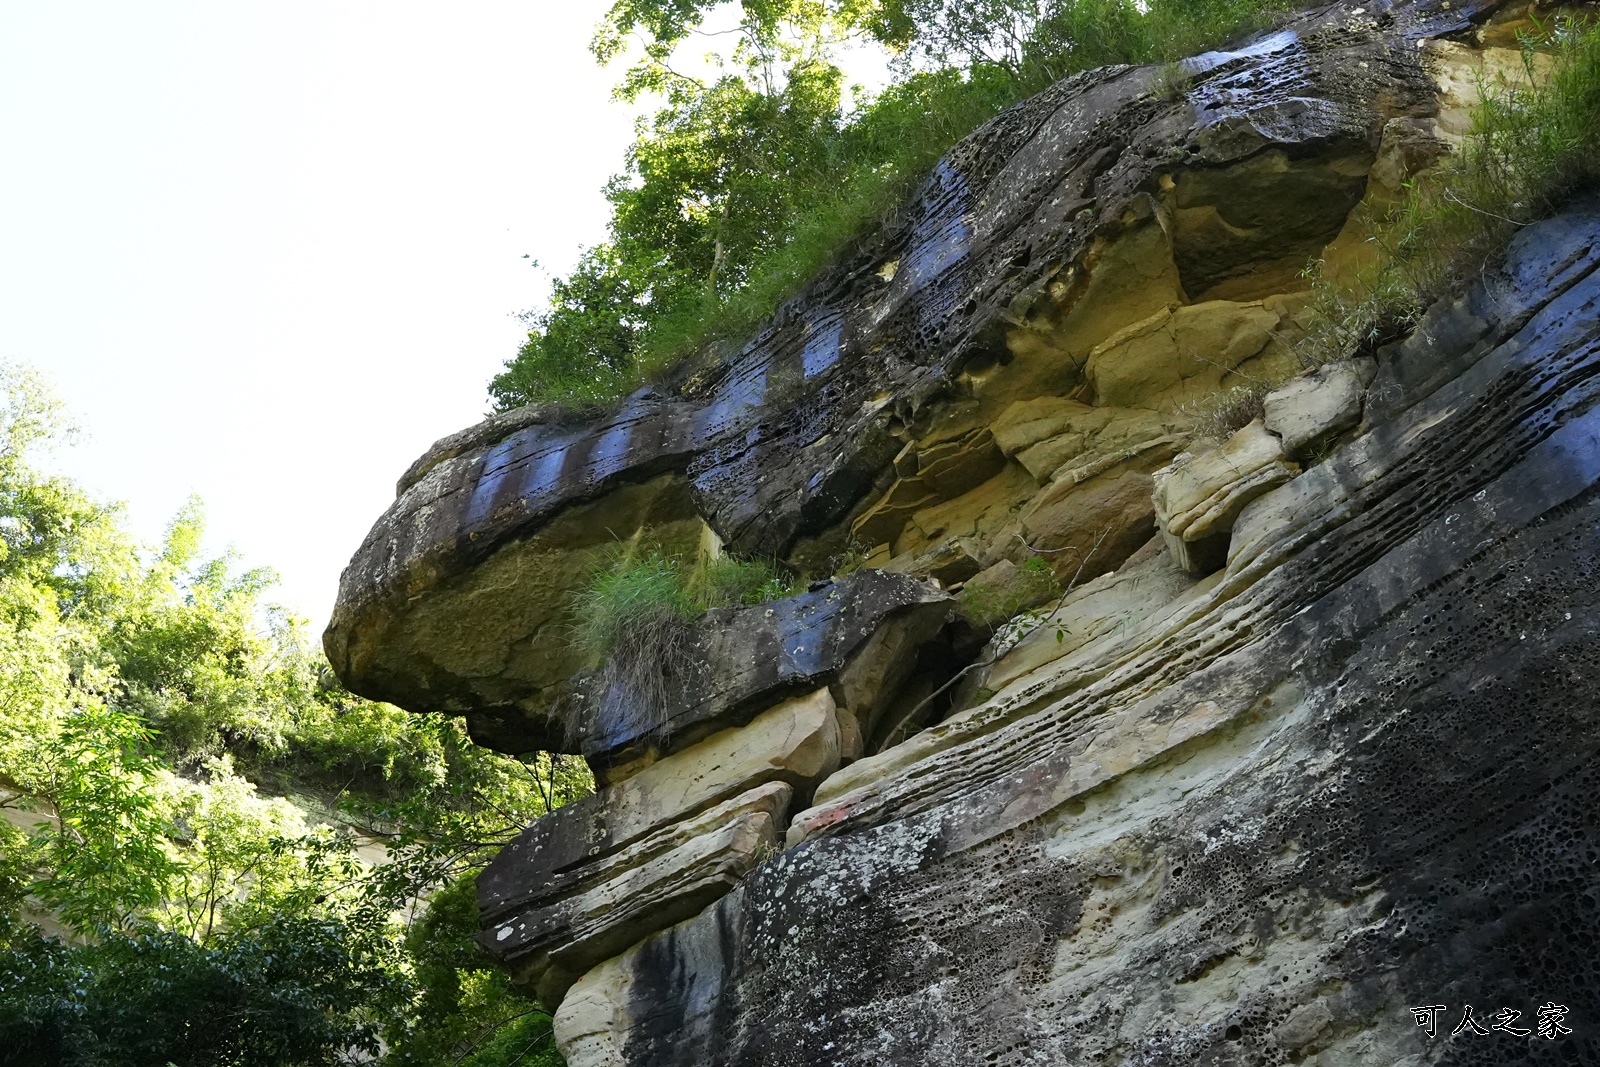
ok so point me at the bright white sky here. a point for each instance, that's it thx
(268, 252)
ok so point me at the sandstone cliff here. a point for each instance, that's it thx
(1308, 742)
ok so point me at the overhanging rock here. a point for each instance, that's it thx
(1242, 803)
(1102, 203)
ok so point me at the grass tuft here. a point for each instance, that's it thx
(636, 620)
(1217, 416)
(1534, 141)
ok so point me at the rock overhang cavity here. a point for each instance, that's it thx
(784, 441)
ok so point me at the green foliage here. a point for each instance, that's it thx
(190, 657)
(728, 581)
(103, 847)
(465, 1006)
(1534, 140)
(294, 991)
(742, 188)
(17, 864)
(631, 591)
(989, 604)
(149, 705)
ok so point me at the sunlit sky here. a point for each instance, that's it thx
(268, 252)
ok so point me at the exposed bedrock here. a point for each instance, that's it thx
(859, 634)
(1349, 774)
(1107, 244)
(1305, 735)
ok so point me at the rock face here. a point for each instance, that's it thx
(1304, 740)
(1306, 410)
(859, 634)
(1199, 496)
(1350, 776)
(1099, 243)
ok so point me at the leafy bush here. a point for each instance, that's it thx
(144, 717)
(742, 189)
(465, 1007)
(293, 992)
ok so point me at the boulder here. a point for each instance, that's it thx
(796, 742)
(1119, 603)
(465, 647)
(1198, 497)
(948, 563)
(1089, 522)
(1045, 436)
(737, 661)
(1295, 746)
(1178, 355)
(1306, 410)
(1079, 213)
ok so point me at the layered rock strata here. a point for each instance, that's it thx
(1302, 741)
(1348, 775)
(859, 634)
(1108, 243)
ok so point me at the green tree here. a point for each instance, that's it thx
(150, 705)
(296, 991)
(104, 836)
(741, 188)
(712, 183)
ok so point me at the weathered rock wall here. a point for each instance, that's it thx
(1307, 743)
(1104, 244)
(1353, 776)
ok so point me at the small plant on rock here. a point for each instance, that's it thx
(636, 620)
(1217, 416)
(1032, 583)
(1172, 82)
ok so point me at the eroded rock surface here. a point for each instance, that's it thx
(588, 880)
(1306, 736)
(1101, 243)
(859, 634)
(1351, 774)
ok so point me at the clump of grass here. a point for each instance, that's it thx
(728, 581)
(1217, 416)
(1533, 142)
(1173, 82)
(636, 621)
(1033, 583)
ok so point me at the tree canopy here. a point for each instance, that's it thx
(185, 790)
